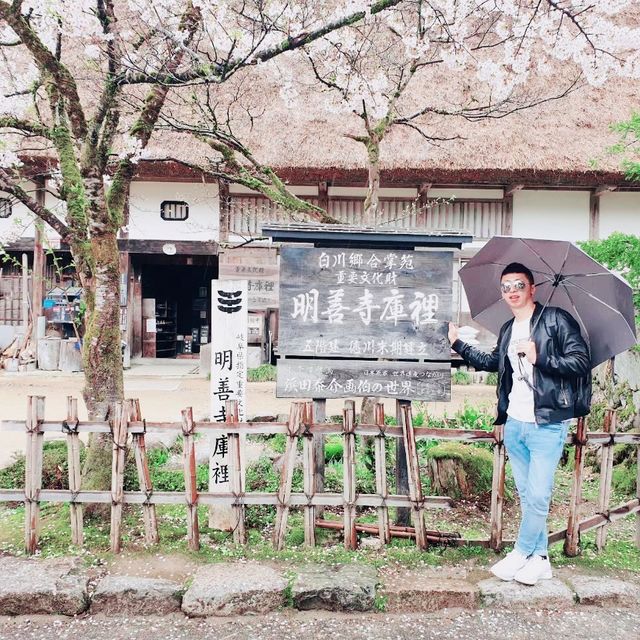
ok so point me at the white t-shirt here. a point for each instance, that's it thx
(521, 396)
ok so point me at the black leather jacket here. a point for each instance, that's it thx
(561, 374)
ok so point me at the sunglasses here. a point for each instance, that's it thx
(516, 285)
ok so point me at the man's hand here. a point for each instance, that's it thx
(528, 347)
(453, 332)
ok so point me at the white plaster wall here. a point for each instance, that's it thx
(552, 215)
(20, 223)
(619, 212)
(145, 222)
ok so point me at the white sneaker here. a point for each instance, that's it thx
(507, 568)
(537, 568)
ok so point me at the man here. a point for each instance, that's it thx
(544, 380)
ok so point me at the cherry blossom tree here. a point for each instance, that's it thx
(422, 64)
(82, 86)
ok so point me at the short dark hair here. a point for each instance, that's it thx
(517, 267)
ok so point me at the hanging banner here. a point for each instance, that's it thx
(229, 332)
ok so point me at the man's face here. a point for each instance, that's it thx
(516, 290)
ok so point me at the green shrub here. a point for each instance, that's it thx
(625, 477)
(476, 462)
(263, 373)
(461, 377)
(492, 378)
(333, 448)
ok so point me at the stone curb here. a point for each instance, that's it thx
(60, 587)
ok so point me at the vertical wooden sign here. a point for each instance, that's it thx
(229, 332)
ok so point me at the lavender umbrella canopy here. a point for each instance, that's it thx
(565, 277)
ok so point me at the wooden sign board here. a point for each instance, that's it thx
(259, 266)
(347, 379)
(229, 311)
(363, 303)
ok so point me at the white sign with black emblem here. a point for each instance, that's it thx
(229, 331)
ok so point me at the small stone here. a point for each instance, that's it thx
(425, 591)
(234, 589)
(604, 592)
(348, 587)
(547, 594)
(129, 595)
(35, 586)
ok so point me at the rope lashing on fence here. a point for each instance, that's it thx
(33, 500)
(148, 495)
(70, 430)
(36, 427)
(309, 498)
(74, 497)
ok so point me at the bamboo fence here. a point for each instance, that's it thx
(127, 428)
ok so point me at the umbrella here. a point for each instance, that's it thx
(565, 277)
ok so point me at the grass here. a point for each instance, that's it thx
(263, 373)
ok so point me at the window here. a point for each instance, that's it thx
(174, 210)
(5, 208)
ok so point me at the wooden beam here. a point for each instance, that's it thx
(594, 216)
(223, 191)
(323, 195)
(605, 188)
(509, 190)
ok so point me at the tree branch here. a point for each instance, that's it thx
(8, 185)
(218, 72)
(48, 64)
(25, 126)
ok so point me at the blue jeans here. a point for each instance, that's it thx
(534, 452)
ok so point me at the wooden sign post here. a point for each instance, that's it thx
(228, 382)
(366, 323)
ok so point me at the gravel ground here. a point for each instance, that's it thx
(584, 623)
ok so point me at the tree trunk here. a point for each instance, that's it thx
(102, 353)
(372, 200)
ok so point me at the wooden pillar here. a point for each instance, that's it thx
(594, 216)
(497, 488)
(349, 474)
(225, 205)
(190, 469)
(38, 269)
(75, 470)
(403, 517)
(606, 476)
(323, 195)
(33, 473)
(572, 541)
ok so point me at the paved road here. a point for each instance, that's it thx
(581, 622)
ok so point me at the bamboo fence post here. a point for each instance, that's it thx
(349, 474)
(309, 460)
(119, 430)
(70, 426)
(381, 475)
(191, 490)
(149, 515)
(413, 468)
(33, 473)
(572, 540)
(497, 488)
(638, 496)
(286, 475)
(235, 474)
(319, 416)
(403, 515)
(606, 476)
